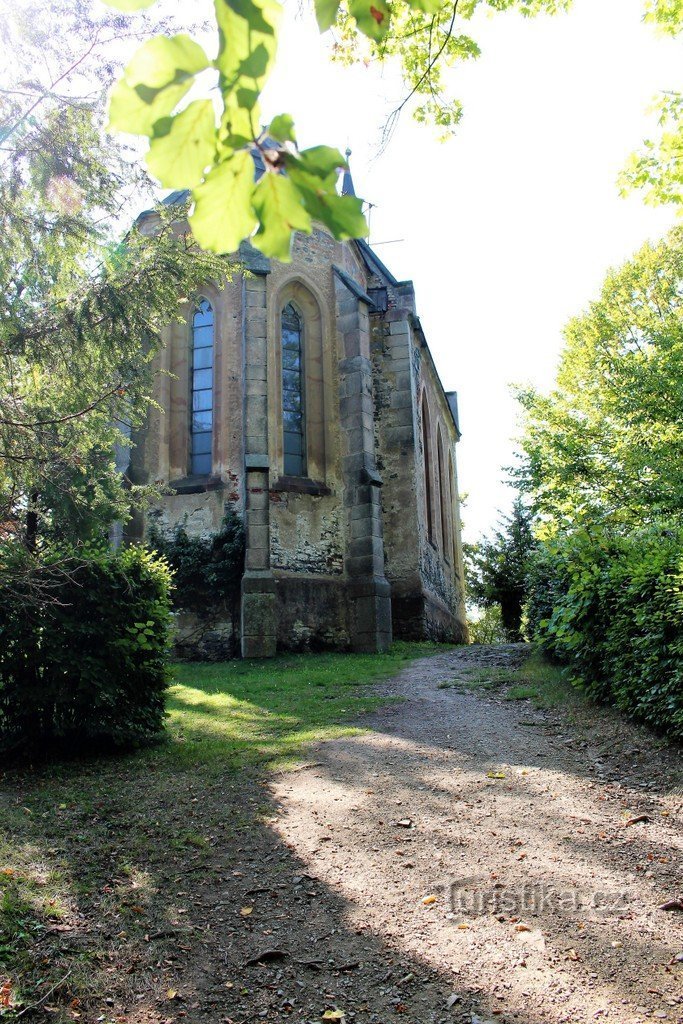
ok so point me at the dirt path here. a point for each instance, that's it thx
(479, 853)
(465, 860)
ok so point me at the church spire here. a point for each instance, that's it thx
(347, 180)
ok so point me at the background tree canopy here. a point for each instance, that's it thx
(602, 464)
(82, 304)
(605, 446)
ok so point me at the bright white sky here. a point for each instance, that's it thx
(508, 229)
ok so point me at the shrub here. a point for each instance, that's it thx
(206, 570)
(611, 608)
(83, 650)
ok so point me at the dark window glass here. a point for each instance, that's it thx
(201, 426)
(201, 421)
(201, 443)
(294, 427)
(202, 400)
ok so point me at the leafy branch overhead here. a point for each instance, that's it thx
(210, 147)
(210, 144)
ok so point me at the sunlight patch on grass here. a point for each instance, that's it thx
(240, 713)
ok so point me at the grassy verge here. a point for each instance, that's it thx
(536, 680)
(97, 856)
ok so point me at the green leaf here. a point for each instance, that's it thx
(160, 73)
(129, 5)
(322, 161)
(164, 61)
(428, 6)
(372, 17)
(326, 13)
(281, 128)
(183, 146)
(138, 110)
(223, 214)
(247, 41)
(343, 215)
(279, 207)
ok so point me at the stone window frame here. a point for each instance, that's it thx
(317, 371)
(444, 514)
(427, 466)
(453, 506)
(177, 362)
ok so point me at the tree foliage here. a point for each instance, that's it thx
(603, 466)
(498, 567)
(82, 305)
(605, 445)
(210, 148)
(657, 168)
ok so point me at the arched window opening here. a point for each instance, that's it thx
(201, 430)
(451, 488)
(293, 411)
(426, 452)
(443, 502)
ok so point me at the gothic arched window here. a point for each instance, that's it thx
(427, 456)
(443, 502)
(451, 491)
(293, 412)
(201, 427)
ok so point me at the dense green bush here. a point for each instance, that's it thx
(206, 570)
(611, 608)
(83, 649)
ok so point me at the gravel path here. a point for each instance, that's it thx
(475, 861)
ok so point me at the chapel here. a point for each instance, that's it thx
(304, 397)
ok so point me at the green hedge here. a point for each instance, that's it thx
(611, 608)
(83, 651)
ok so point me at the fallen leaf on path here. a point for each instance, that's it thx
(428, 900)
(522, 928)
(171, 994)
(672, 905)
(246, 911)
(267, 956)
(495, 775)
(637, 820)
(334, 1015)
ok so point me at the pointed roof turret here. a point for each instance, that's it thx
(347, 180)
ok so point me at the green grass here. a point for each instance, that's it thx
(537, 680)
(255, 712)
(544, 684)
